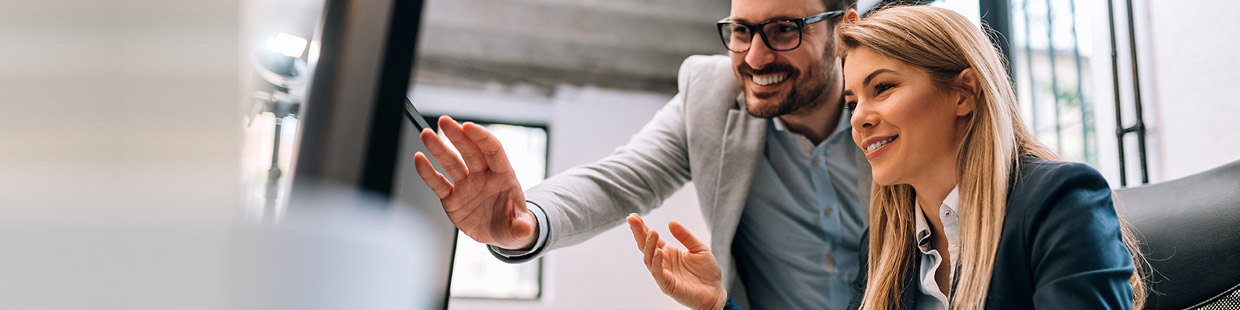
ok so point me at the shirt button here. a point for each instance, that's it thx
(814, 161)
(828, 211)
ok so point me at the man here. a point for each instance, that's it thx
(763, 136)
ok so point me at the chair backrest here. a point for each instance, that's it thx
(1190, 233)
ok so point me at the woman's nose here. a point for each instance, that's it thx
(863, 117)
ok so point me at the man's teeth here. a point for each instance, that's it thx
(769, 79)
(875, 145)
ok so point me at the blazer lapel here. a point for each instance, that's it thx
(908, 296)
(743, 141)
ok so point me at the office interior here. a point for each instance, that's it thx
(177, 172)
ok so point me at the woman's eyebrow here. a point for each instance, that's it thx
(870, 77)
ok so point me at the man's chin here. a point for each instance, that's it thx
(761, 106)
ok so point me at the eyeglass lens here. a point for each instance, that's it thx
(780, 35)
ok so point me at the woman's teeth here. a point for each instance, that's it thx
(875, 145)
(769, 79)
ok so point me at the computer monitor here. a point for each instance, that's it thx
(360, 229)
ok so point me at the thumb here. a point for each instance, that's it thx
(522, 223)
(686, 238)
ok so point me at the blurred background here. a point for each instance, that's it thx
(144, 144)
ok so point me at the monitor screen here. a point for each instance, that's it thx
(359, 229)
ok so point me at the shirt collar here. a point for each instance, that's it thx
(922, 228)
(842, 126)
(952, 202)
(841, 129)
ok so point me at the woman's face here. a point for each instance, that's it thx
(907, 126)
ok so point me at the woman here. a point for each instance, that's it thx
(968, 210)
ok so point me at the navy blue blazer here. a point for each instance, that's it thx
(1060, 247)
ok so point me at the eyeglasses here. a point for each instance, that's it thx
(778, 35)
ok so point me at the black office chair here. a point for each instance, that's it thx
(1190, 230)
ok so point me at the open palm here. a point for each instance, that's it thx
(484, 200)
(691, 277)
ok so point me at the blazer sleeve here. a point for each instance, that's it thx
(1076, 254)
(587, 200)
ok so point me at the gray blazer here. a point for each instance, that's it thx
(702, 134)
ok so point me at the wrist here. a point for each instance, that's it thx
(721, 300)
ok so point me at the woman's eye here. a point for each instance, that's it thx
(850, 105)
(880, 88)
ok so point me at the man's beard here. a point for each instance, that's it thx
(806, 93)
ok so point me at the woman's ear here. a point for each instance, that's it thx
(851, 16)
(971, 91)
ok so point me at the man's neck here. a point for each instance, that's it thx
(816, 125)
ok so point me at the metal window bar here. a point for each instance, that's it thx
(1139, 126)
(997, 14)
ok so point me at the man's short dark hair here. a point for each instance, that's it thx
(833, 5)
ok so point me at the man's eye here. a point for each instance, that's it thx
(786, 28)
(740, 29)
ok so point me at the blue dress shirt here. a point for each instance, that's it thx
(796, 243)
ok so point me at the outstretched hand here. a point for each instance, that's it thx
(691, 277)
(484, 199)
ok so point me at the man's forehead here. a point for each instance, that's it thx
(762, 10)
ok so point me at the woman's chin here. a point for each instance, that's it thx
(884, 179)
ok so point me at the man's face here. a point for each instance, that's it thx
(789, 82)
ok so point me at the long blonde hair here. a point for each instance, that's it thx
(944, 43)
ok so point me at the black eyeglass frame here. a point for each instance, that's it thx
(801, 23)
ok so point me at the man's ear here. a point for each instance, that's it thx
(971, 91)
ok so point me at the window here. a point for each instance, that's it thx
(1052, 51)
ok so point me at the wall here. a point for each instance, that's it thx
(585, 124)
(1187, 69)
(1193, 68)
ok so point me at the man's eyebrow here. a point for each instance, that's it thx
(870, 77)
(746, 21)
